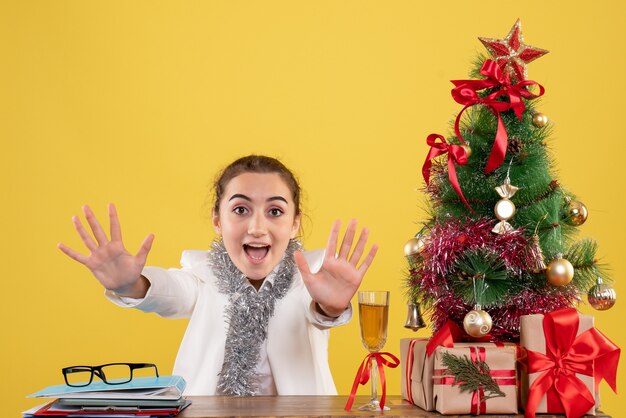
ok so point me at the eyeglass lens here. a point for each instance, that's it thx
(78, 375)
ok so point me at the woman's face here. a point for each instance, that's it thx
(257, 218)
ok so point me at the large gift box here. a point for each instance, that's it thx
(566, 357)
(495, 386)
(418, 366)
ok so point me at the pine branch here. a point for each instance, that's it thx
(488, 271)
(471, 376)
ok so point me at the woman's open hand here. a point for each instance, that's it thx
(334, 285)
(114, 267)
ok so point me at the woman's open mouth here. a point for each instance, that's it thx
(256, 252)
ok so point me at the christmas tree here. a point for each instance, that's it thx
(500, 241)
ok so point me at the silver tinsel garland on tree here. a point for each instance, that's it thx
(247, 316)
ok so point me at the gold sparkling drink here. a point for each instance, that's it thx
(373, 314)
(373, 319)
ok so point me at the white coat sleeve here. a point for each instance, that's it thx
(172, 292)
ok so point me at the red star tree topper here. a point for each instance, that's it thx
(512, 54)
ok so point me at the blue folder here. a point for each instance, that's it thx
(163, 387)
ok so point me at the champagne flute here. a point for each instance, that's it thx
(373, 314)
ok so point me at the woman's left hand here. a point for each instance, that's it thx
(336, 282)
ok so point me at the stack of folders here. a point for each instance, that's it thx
(141, 397)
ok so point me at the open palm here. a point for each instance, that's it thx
(336, 282)
(109, 261)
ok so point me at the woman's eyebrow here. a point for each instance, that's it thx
(269, 199)
(240, 196)
(244, 197)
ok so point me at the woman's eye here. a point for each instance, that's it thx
(275, 212)
(240, 210)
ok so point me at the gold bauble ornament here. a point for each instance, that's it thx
(576, 213)
(468, 150)
(477, 323)
(540, 120)
(601, 296)
(559, 272)
(414, 246)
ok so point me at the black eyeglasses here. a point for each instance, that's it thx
(111, 373)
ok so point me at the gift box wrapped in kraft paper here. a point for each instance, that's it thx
(475, 380)
(566, 358)
(417, 372)
(418, 365)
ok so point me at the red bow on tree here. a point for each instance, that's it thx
(456, 155)
(591, 353)
(466, 93)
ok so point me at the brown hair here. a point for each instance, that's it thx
(255, 164)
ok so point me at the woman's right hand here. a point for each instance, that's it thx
(114, 267)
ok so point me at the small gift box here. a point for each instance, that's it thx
(566, 358)
(417, 372)
(475, 379)
(418, 364)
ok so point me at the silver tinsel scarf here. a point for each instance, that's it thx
(247, 315)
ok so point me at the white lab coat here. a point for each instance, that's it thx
(297, 336)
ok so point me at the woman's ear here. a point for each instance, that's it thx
(295, 227)
(216, 222)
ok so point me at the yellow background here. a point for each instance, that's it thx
(141, 102)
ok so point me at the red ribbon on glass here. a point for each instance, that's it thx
(466, 93)
(591, 353)
(363, 375)
(456, 155)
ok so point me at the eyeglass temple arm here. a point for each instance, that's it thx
(100, 373)
(142, 365)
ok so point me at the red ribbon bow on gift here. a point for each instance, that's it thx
(456, 155)
(591, 353)
(466, 93)
(363, 375)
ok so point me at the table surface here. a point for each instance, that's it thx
(305, 406)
